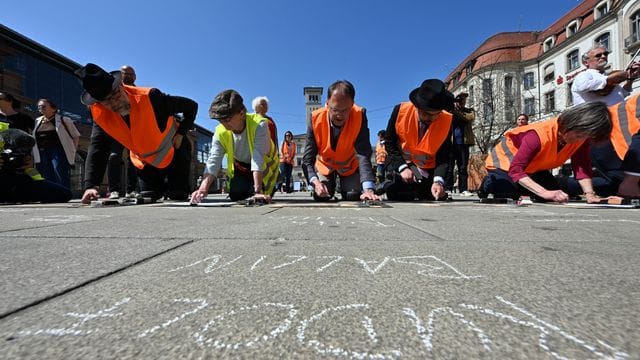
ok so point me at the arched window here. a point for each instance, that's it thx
(602, 40)
(549, 72)
(573, 60)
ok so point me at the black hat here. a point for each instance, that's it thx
(432, 95)
(462, 95)
(226, 104)
(97, 83)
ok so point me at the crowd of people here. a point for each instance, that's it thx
(421, 155)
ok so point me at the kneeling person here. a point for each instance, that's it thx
(520, 163)
(418, 144)
(338, 146)
(252, 157)
(142, 120)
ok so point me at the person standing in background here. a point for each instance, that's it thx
(57, 140)
(261, 106)
(463, 140)
(381, 157)
(287, 160)
(522, 120)
(114, 167)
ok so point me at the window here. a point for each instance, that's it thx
(601, 10)
(569, 95)
(530, 106)
(549, 102)
(528, 81)
(602, 40)
(549, 72)
(635, 24)
(487, 89)
(572, 28)
(508, 85)
(469, 67)
(488, 112)
(508, 92)
(548, 44)
(471, 97)
(573, 60)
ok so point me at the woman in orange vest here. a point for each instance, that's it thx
(418, 144)
(520, 163)
(287, 159)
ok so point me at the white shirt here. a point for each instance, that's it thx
(591, 80)
(241, 150)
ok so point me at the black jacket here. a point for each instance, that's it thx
(163, 106)
(394, 152)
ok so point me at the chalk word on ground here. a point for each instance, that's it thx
(236, 329)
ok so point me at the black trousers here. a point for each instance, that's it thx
(499, 183)
(398, 190)
(114, 170)
(172, 180)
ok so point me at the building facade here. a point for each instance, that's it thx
(532, 72)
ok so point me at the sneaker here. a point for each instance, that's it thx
(132, 195)
(114, 195)
(466, 193)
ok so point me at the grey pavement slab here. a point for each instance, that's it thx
(425, 280)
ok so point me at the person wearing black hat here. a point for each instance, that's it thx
(144, 121)
(418, 143)
(252, 157)
(463, 139)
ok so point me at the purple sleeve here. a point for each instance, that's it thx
(529, 146)
(581, 162)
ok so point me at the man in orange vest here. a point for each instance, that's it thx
(144, 121)
(520, 163)
(418, 143)
(338, 146)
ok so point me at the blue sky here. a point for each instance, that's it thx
(275, 48)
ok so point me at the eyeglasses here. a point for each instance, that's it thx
(601, 55)
(42, 106)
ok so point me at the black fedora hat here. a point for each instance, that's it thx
(97, 83)
(432, 95)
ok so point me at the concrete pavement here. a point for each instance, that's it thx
(300, 280)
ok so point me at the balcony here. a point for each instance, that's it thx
(631, 41)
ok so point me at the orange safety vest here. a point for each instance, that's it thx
(146, 143)
(381, 153)
(343, 158)
(285, 155)
(626, 123)
(547, 158)
(421, 152)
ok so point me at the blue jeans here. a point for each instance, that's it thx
(54, 166)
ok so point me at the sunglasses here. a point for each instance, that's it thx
(601, 55)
